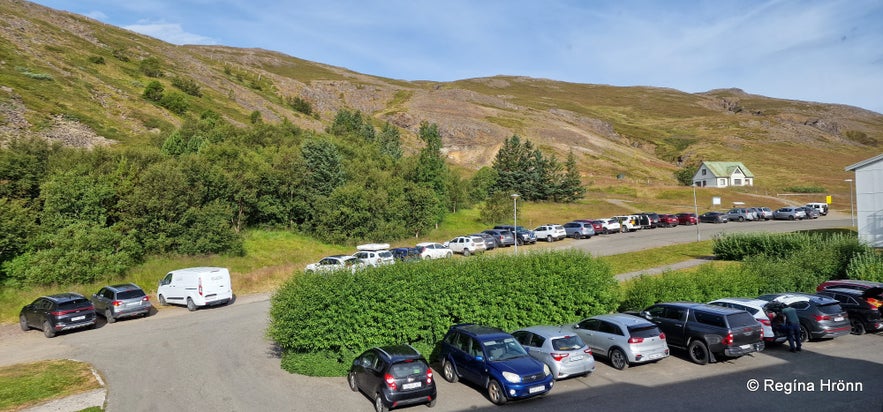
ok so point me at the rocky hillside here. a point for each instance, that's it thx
(70, 78)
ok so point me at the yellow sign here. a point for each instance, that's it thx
(828, 199)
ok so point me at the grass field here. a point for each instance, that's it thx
(29, 384)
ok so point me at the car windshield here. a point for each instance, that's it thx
(385, 254)
(741, 319)
(645, 331)
(130, 294)
(74, 304)
(831, 308)
(567, 343)
(408, 368)
(503, 349)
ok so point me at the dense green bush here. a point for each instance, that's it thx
(706, 284)
(322, 322)
(867, 266)
(187, 85)
(805, 189)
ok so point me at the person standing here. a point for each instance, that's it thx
(792, 327)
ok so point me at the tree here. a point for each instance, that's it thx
(511, 166)
(352, 124)
(324, 166)
(685, 174)
(150, 67)
(569, 187)
(390, 141)
(482, 184)
(431, 169)
(153, 91)
(496, 208)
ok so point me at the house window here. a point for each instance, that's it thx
(721, 182)
(703, 172)
(737, 182)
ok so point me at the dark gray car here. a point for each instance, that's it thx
(121, 301)
(504, 238)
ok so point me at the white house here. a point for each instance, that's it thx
(723, 174)
(869, 199)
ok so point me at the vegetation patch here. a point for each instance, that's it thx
(322, 322)
(28, 384)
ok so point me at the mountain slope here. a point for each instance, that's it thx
(71, 78)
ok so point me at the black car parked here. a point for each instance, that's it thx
(393, 376)
(863, 314)
(504, 238)
(406, 254)
(707, 331)
(56, 313)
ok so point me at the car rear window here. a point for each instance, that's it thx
(712, 319)
(831, 308)
(567, 343)
(74, 304)
(130, 294)
(385, 254)
(647, 331)
(405, 369)
(741, 319)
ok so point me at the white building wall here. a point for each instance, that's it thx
(869, 203)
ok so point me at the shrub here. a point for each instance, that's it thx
(300, 105)
(706, 284)
(321, 322)
(150, 67)
(186, 85)
(153, 91)
(805, 189)
(175, 103)
(867, 265)
(96, 59)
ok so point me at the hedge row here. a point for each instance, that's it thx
(321, 322)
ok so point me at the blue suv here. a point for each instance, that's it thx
(494, 360)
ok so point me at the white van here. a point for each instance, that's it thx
(822, 208)
(196, 287)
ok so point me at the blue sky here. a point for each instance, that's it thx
(823, 51)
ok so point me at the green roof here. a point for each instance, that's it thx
(727, 168)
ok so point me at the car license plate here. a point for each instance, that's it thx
(78, 318)
(838, 319)
(576, 358)
(412, 385)
(655, 356)
(745, 346)
(536, 389)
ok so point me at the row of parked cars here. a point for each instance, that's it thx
(192, 287)
(742, 214)
(527, 362)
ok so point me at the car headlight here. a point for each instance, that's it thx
(512, 377)
(546, 370)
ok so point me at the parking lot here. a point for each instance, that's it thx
(219, 359)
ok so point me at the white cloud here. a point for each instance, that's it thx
(169, 32)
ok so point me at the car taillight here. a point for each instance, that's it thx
(661, 335)
(761, 332)
(428, 376)
(765, 322)
(200, 287)
(559, 356)
(635, 340)
(145, 298)
(874, 302)
(822, 317)
(588, 351)
(116, 303)
(728, 340)
(390, 382)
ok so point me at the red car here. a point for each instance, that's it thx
(596, 225)
(687, 218)
(668, 220)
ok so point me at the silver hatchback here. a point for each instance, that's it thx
(623, 339)
(559, 348)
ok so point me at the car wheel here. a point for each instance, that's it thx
(549, 238)
(378, 403)
(791, 217)
(449, 255)
(576, 236)
(466, 252)
(351, 380)
(495, 392)
(804, 334)
(109, 316)
(741, 218)
(698, 352)
(448, 372)
(47, 329)
(618, 359)
(162, 300)
(190, 305)
(858, 328)
(605, 231)
(23, 322)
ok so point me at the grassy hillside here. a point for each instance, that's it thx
(70, 78)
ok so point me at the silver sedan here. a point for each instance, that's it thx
(559, 348)
(623, 339)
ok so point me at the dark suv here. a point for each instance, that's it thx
(56, 313)
(503, 238)
(494, 360)
(862, 306)
(707, 331)
(522, 234)
(820, 317)
(121, 301)
(393, 376)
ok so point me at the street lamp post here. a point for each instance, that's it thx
(851, 203)
(515, 219)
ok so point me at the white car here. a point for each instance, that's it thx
(430, 250)
(550, 232)
(375, 254)
(610, 226)
(628, 223)
(336, 262)
(756, 308)
(466, 245)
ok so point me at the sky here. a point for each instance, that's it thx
(828, 51)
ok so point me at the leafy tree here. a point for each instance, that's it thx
(23, 164)
(187, 85)
(496, 208)
(175, 103)
(300, 104)
(17, 226)
(390, 141)
(69, 197)
(685, 174)
(151, 67)
(431, 169)
(324, 166)
(352, 124)
(153, 91)
(482, 184)
(255, 117)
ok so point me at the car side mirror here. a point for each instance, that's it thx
(479, 358)
(646, 314)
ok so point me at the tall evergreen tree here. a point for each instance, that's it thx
(390, 141)
(570, 186)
